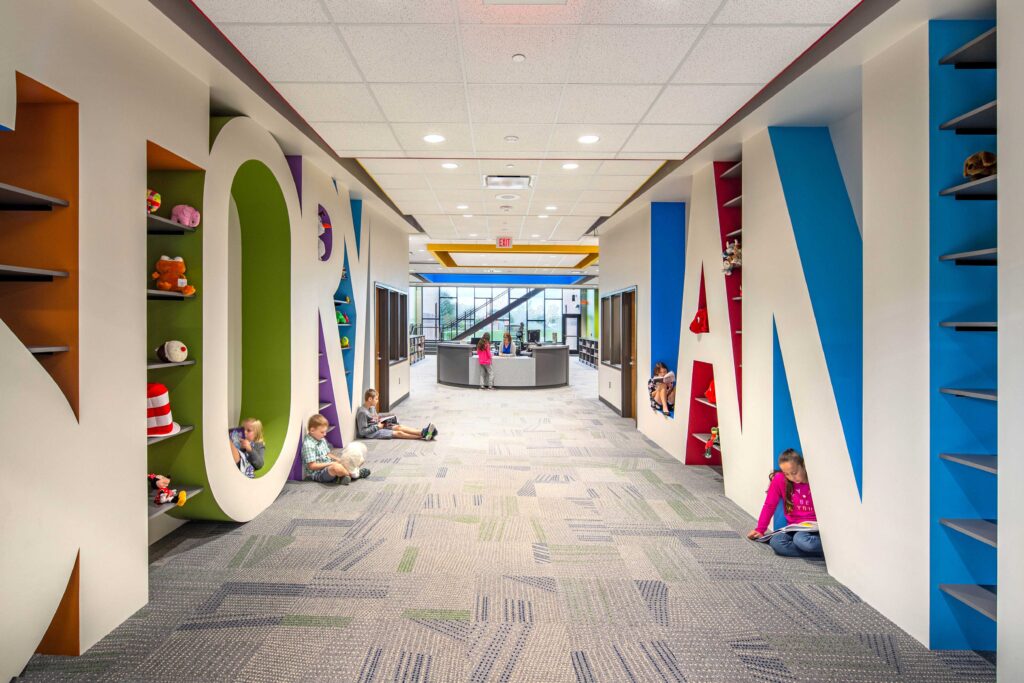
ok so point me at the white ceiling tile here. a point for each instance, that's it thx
(355, 137)
(630, 54)
(435, 157)
(331, 101)
(562, 182)
(526, 103)
(595, 208)
(411, 194)
(476, 12)
(554, 167)
(391, 11)
(604, 196)
(563, 199)
(465, 196)
(440, 232)
(699, 103)
(398, 181)
(432, 165)
(745, 54)
(500, 166)
(487, 53)
(456, 182)
(435, 221)
(262, 11)
(410, 102)
(628, 167)
(581, 223)
(612, 136)
(663, 156)
(410, 136)
(650, 11)
(419, 207)
(785, 12)
(617, 182)
(294, 52)
(490, 137)
(405, 54)
(391, 166)
(649, 138)
(606, 103)
(568, 233)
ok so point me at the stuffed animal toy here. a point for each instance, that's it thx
(159, 420)
(325, 220)
(186, 215)
(165, 494)
(345, 319)
(170, 276)
(352, 458)
(980, 165)
(699, 324)
(340, 316)
(344, 342)
(710, 393)
(152, 201)
(710, 444)
(172, 351)
(731, 257)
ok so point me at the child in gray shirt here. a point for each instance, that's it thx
(370, 425)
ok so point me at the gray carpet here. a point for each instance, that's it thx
(541, 539)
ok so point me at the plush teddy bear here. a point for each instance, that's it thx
(352, 458)
(980, 165)
(170, 276)
(731, 257)
(172, 351)
(186, 215)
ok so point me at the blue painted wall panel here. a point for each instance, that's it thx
(959, 359)
(668, 258)
(784, 431)
(831, 254)
(357, 221)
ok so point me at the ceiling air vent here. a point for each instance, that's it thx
(508, 182)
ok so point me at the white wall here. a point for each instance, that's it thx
(896, 331)
(625, 263)
(848, 137)
(1011, 330)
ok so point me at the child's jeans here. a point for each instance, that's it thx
(486, 376)
(798, 544)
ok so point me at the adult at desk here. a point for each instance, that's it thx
(507, 347)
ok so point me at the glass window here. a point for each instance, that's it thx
(553, 294)
(466, 302)
(482, 292)
(535, 308)
(517, 292)
(553, 319)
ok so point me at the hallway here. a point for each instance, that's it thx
(540, 539)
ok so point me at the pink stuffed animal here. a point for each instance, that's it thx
(183, 214)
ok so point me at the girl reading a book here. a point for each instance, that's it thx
(789, 484)
(662, 388)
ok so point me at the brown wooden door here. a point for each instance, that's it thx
(628, 346)
(383, 351)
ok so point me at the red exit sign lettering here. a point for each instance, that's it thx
(504, 243)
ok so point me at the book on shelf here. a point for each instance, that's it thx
(789, 529)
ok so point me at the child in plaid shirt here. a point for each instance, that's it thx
(319, 463)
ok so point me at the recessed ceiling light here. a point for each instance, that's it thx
(433, 138)
(462, 207)
(518, 58)
(449, 165)
(570, 166)
(467, 215)
(587, 139)
(543, 215)
(472, 234)
(535, 235)
(511, 138)
(422, 250)
(507, 197)
(551, 208)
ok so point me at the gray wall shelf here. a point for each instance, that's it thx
(157, 225)
(157, 439)
(980, 598)
(983, 530)
(13, 198)
(158, 364)
(985, 463)
(978, 53)
(22, 274)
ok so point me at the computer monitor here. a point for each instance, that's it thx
(475, 340)
(533, 336)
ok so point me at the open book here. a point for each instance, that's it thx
(802, 526)
(388, 421)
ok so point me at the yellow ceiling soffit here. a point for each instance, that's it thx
(443, 252)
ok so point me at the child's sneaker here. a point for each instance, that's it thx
(346, 480)
(364, 472)
(424, 432)
(431, 432)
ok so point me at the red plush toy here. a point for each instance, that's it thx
(165, 494)
(700, 322)
(710, 393)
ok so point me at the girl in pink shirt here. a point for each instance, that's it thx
(483, 354)
(789, 484)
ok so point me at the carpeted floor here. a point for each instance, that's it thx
(541, 539)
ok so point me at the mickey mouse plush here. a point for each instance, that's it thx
(165, 494)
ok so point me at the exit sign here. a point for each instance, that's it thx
(504, 243)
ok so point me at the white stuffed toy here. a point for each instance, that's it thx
(352, 458)
(173, 351)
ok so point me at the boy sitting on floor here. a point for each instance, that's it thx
(320, 463)
(370, 425)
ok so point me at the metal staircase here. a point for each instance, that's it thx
(486, 321)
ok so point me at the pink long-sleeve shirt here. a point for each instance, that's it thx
(484, 355)
(803, 505)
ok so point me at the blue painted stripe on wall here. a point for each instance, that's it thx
(668, 257)
(357, 220)
(471, 279)
(784, 432)
(959, 359)
(831, 253)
